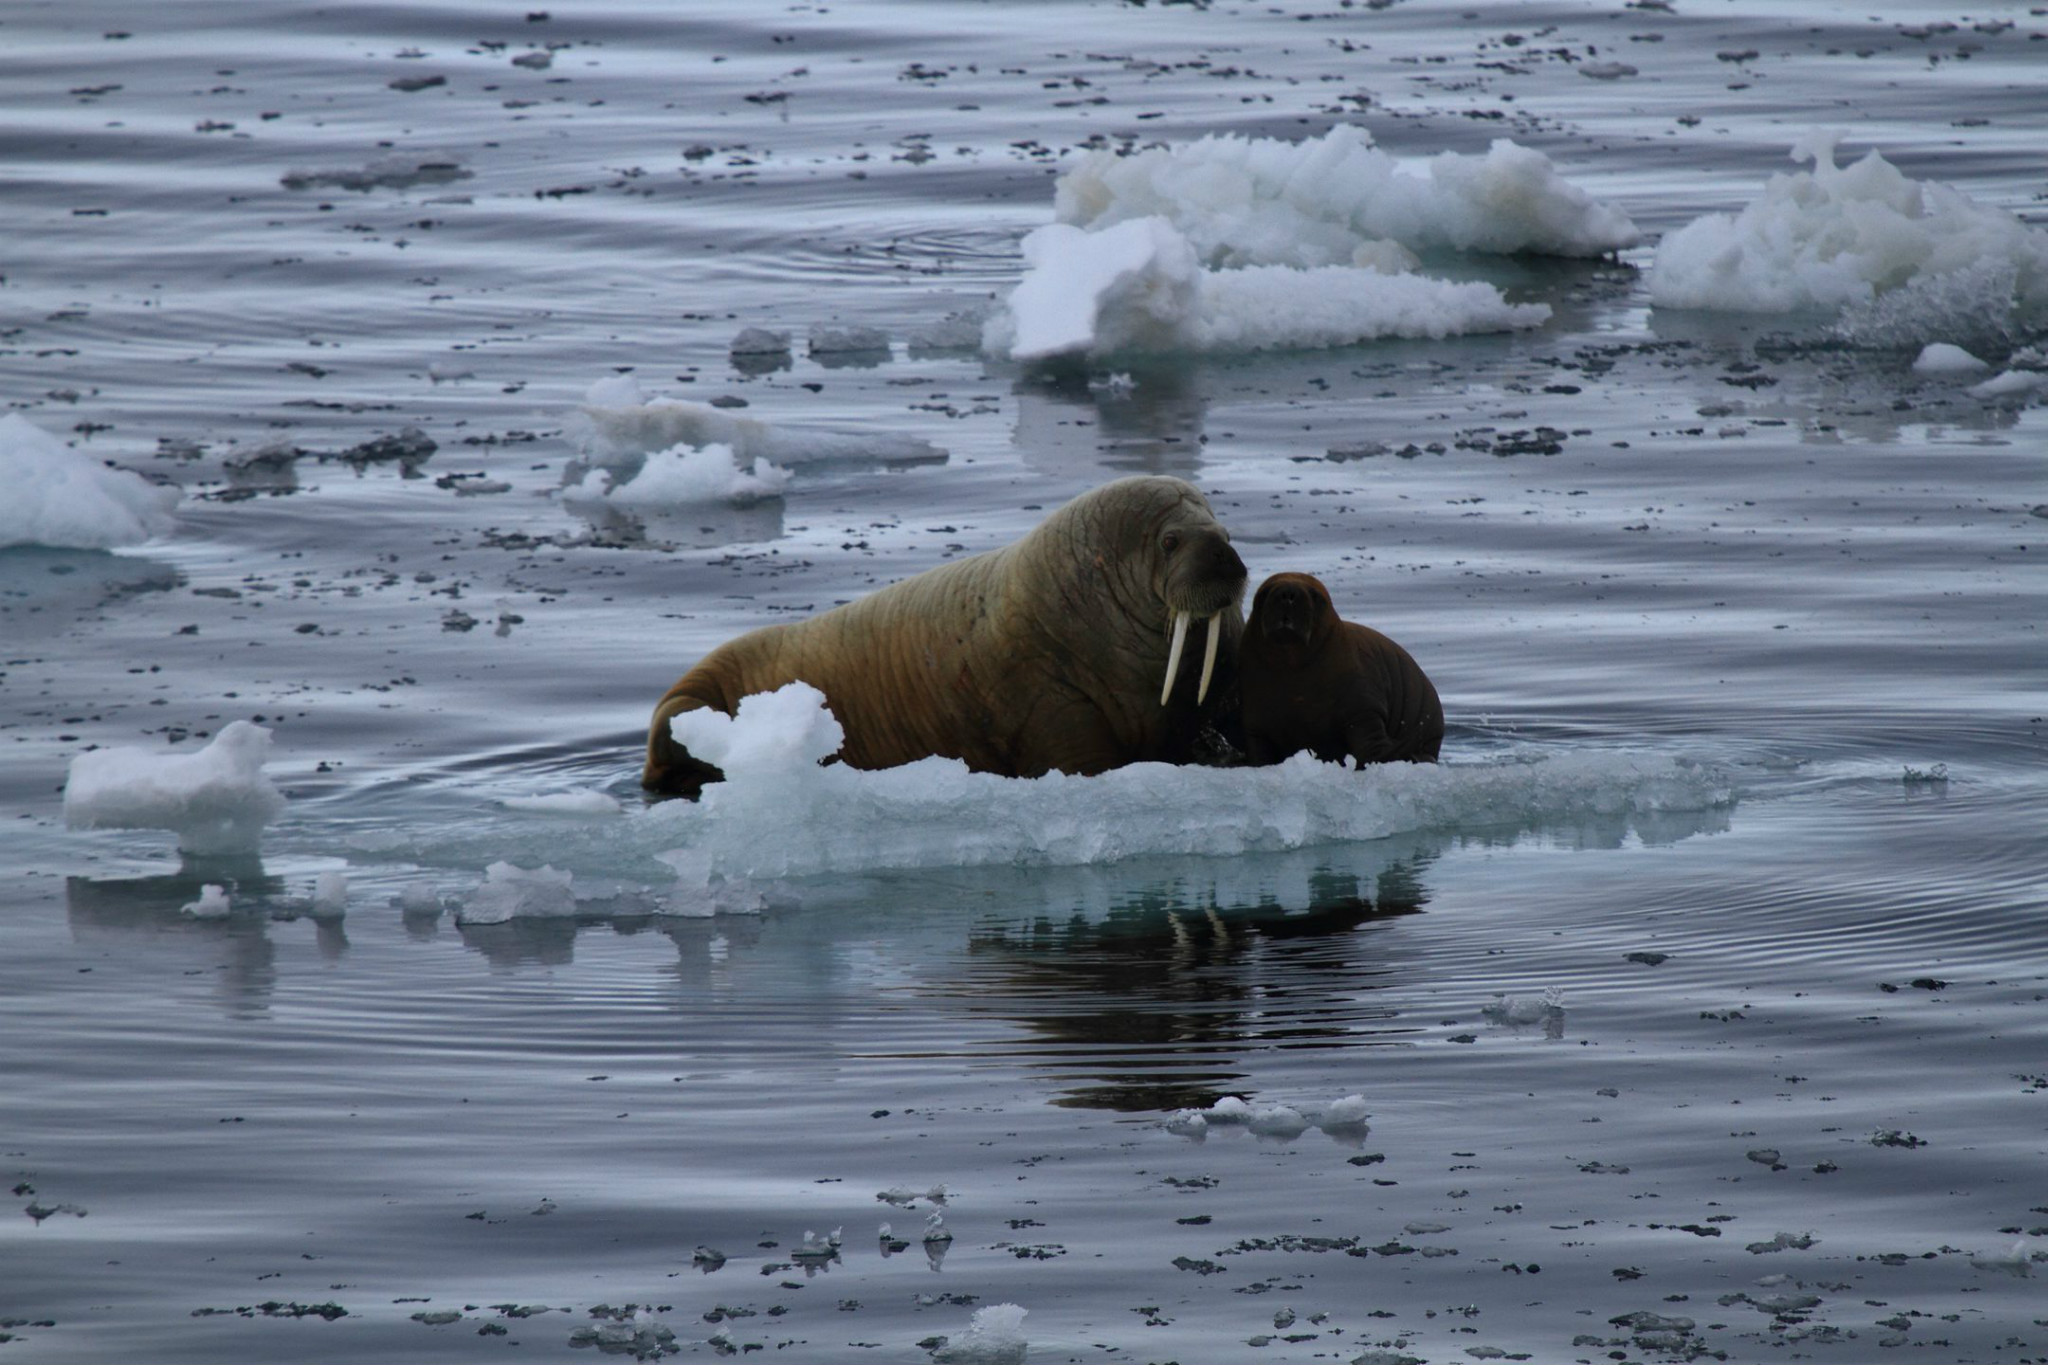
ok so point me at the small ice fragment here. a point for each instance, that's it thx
(2013, 1261)
(707, 1259)
(1784, 1241)
(448, 371)
(1419, 1229)
(684, 476)
(847, 340)
(1283, 1319)
(216, 799)
(1606, 71)
(212, 904)
(935, 1228)
(330, 894)
(1524, 1009)
(1765, 1156)
(1349, 1112)
(758, 341)
(1939, 357)
(511, 892)
(584, 801)
(419, 900)
(1188, 1123)
(994, 1336)
(903, 1198)
(1280, 1121)
(1229, 1109)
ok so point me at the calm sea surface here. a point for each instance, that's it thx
(1748, 1057)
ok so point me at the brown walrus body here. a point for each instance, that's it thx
(1309, 680)
(1047, 654)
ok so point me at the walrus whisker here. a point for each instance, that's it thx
(1180, 638)
(1208, 657)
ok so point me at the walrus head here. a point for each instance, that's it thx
(1198, 577)
(1292, 610)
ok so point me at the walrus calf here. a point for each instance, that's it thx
(1061, 652)
(1309, 680)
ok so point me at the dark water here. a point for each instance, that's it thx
(1744, 679)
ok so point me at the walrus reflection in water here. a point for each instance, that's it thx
(1061, 652)
(1309, 680)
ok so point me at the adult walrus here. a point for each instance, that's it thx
(1059, 652)
(1309, 680)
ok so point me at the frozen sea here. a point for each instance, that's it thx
(1694, 1005)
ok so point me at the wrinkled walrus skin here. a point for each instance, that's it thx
(1309, 680)
(1046, 655)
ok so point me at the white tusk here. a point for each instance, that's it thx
(1208, 659)
(1180, 638)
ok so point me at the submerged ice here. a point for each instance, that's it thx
(619, 428)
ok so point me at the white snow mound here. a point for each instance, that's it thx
(61, 498)
(216, 799)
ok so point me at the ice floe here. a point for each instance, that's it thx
(781, 813)
(1264, 201)
(619, 426)
(59, 497)
(216, 799)
(1139, 286)
(1835, 237)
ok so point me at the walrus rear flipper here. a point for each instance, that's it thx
(671, 769)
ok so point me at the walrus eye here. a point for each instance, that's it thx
(1170, 541)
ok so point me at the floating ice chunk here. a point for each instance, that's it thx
(419, 900)
(59, 497)
(2015, 1260)
(1939, 357)
(399, 171)
(1263, 201)
(904, 1198)
(1281, 1121)
(585, 801)
(994, 1336)
(618, 424)
(756, 341)
(213, 903)
(1138, 286)
(683, 476)
(510, 892)
(216, 799)
(816, 1248)
(1524, 1009)
(330, 894)
(779, 814)
(848, 340)
(2011, 384)
(1348, 1112)
(935, 1229)
(1839, 236)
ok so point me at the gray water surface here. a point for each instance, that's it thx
(1787, 1097)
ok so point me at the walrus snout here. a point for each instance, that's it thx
(1287, 610)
